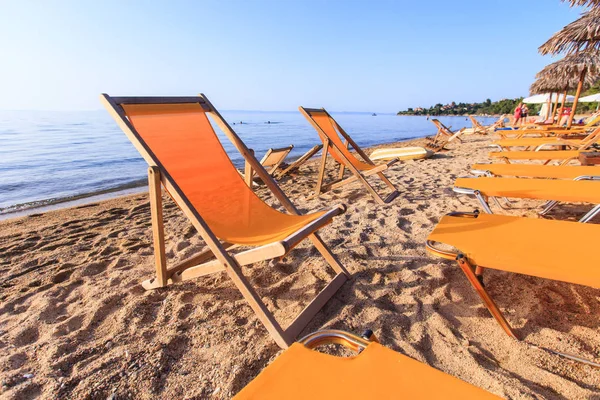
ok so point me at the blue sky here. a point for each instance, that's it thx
(273, 54)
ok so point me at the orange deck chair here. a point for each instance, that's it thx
(301, 160)
(537, 247)
(271, 161)
(375, 373)
(328, 130)
(175, 137)
(477, 127)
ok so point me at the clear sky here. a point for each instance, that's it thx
(364, 55)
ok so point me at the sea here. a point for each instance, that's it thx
(50, 159)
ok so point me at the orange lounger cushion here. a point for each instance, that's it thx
(537, 247)
(536, 155)
(195, 159)
(376, 373)
(543, 189)
(526, 142)
(539, 171)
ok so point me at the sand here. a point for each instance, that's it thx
(76, 323)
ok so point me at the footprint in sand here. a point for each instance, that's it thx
(17, 360)
(93, 269)
(26, 336)
(61, 276)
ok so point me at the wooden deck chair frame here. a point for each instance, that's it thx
(217, 257)
(477, 127)
(271, 160)
(301, 160)
(356, 174)
(442, 137)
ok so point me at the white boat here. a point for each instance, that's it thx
(402, 153)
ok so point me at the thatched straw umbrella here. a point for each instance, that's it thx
(591, 3)
(542, 86)
(582, 34)
(583, 67)
(546, 83)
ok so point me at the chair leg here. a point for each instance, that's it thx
(470, 272)
(321, 175)
(158, 231)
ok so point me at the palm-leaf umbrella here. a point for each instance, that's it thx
(581, 34)
(591, 3)
(583, 67)
(546, 82)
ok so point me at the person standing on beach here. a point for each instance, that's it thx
(524, 113)
(517, 114)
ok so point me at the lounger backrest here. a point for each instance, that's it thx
(592, 138)
(593, 121)
(328, 128)
(183, 144)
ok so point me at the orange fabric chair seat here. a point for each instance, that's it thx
(194, 158)
(536, 247)
(542, 189)
(539, 171)
(376, 373)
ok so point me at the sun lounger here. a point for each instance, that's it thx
(570, 191)
(301, 160)
(442, 137)
(328, 130)
(546, 131)
(175, 137)
(557, 250)
(538, 144)
(544, 155)
(375, 373)
(574, 172)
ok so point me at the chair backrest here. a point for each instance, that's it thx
(475, 122)
(328, 128)
(180, 140)
(274, 157)
(441, 126)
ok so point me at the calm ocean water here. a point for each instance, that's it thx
(51, 157)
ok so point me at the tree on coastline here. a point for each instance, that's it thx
(504, 106)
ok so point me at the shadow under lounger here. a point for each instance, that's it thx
(557, 250)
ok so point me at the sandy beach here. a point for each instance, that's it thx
(76, 323)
